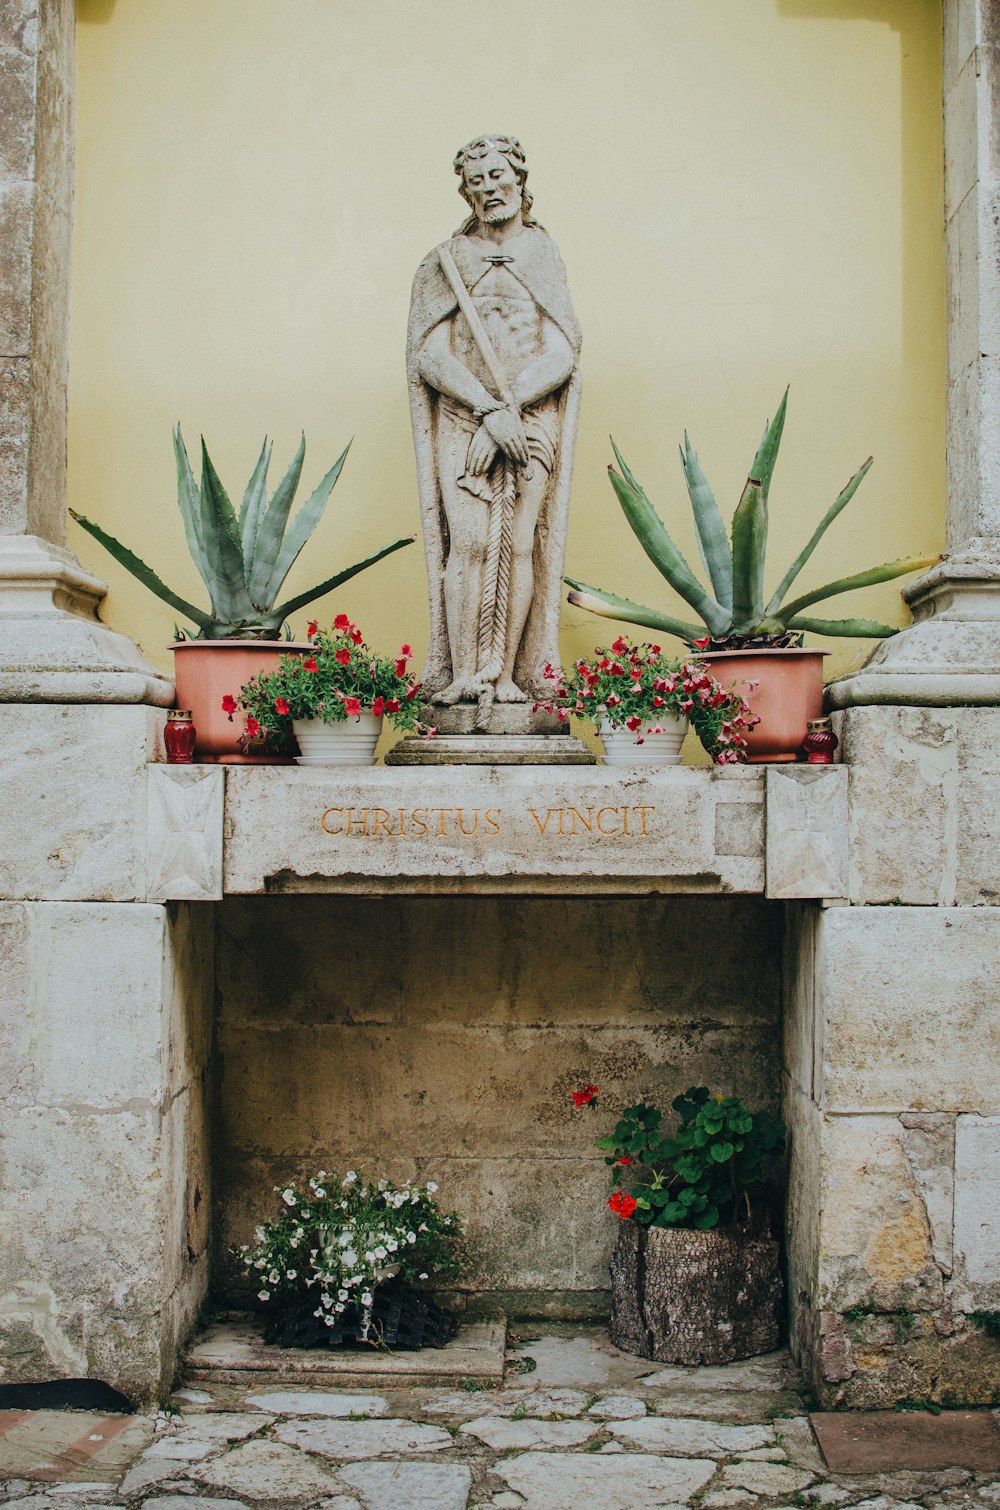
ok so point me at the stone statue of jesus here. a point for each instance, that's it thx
(492, 358)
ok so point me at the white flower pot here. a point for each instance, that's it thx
(349, 743)
(620, 746)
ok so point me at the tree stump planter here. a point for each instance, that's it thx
(679, 1296)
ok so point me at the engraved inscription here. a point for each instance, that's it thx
(474, 822)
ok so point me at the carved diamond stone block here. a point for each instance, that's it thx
(185, 813)
(806, 832)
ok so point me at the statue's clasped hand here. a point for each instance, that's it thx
(505, 428)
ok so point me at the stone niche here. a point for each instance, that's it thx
(440, 1037)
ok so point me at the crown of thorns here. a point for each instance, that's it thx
(508, 146)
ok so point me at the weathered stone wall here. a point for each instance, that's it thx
(892, 1038)
(441, 1037)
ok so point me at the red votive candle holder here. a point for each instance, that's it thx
(820, 742)
(179, 737)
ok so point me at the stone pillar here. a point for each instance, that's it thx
(951, 653)
(52, 646)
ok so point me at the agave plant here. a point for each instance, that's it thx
(735, 612)
(244, 559)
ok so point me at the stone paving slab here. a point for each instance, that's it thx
(56, 1446)
(883, 1440)
(233, 1352)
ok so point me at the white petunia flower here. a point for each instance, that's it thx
(350, 1258)
(411, 1237)
(292, 1274)
(379, 1252)
(422, 1276)
(366, 1299)
(431, 1186)
(349, 1178)
(263, 1295)
(341, 1294)
(288, 1196)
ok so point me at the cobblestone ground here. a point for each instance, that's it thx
(578, 1426)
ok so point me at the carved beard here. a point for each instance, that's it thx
(501, 214)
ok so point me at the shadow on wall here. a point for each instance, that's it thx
(94, 12)
(440, 1038)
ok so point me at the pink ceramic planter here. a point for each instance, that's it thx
(789, 695)
(205, 671)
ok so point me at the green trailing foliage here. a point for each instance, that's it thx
(243, 558)
(705, 1173)
(734, 612)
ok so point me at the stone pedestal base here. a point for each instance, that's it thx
(53, 648)
(949, 656)
(505, 718)
(492, 749)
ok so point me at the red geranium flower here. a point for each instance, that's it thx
(622, 1205)
(341, 621)
(392, 705)
(281, 706)
(620, 646)
(357, 636)
(584, 1097)
(344, 656)
(703, 643)
(378, 707)
(351, 706)
(251, 728)
(406, 650)
(311, 628)
(229, 705)
(310, 664)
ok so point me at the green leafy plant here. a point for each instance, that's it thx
(243, 559)
(701, 1175)
(735, 612)
(342, 1238)
(339, 679)
(635, 686)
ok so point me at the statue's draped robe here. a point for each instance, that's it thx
(535, 262)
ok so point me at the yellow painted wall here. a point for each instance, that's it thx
(745, 192)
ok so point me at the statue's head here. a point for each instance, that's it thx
(493, 180)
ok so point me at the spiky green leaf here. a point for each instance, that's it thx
(712, 541)
(885, 573)
(608, 606)
(300, 601)
(272, 530)
(143, 573)
(839, 503)
(749, 546)
(223, 549)
(767, 451)
(861, 629)
(303, 525)
(252, 508)
(649, 530)
(189, 504)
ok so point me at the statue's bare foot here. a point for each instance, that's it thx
(459, 691)
(508, 692)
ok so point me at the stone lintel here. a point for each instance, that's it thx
(490, 829)
(806, 836)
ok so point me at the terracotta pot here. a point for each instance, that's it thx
(789, 694)
(679, 1296)
(205, 671)
(349, 743)
(620, 747)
